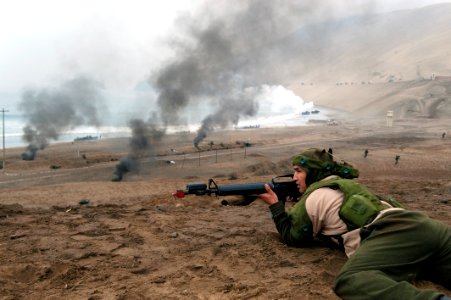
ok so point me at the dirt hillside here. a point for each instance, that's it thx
(68, 231)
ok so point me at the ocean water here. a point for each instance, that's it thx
(14, 124)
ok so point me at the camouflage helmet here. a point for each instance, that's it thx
(320, 164)
(314, 158)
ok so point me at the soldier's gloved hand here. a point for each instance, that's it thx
(444, 298)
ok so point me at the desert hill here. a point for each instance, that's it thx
(398, 46)
(369, 64)
(408, 99)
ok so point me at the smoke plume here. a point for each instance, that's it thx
(229, 114)
(50, 111)
(225, 51)
(144, 136)
(221, 58)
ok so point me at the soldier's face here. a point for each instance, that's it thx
(299, 176)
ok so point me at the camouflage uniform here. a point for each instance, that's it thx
(385, 255)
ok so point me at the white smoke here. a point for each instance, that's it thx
(278, 106)
(276, 100)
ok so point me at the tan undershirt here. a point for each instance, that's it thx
(323, 207)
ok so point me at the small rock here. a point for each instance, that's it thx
(83, 202)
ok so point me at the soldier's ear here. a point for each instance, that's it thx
(330, 151)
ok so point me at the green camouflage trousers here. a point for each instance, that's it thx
(399, 247)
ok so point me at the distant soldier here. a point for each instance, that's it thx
(443, 135)
(365, 153)
(397, 157)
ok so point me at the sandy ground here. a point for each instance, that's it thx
(68, 231)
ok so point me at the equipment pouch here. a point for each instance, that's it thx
(358, 210)
(392, 201)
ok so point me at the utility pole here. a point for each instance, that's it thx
(3, 111)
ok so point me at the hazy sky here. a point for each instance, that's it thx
(44, 40)
(117, 42)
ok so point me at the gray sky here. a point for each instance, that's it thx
(47, 39)
(116, 42)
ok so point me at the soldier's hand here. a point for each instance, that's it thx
(269, 197)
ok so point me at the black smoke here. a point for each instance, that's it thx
(230, 113)
(226, 50)
(144, 136)
(49, 112)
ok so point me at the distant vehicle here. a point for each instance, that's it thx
(332, 122)
(248, 126)
(315, 111)
(86, 138)
(305, 113)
